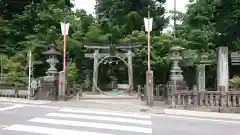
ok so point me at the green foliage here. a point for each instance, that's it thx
(206, 25)
(227, 18)
(235, 82)
(72, 71)
(124, 16)
(14, 71)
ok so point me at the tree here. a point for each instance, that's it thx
(11, 7)
(38, 26)
(227, 18)
(121, 17)
(197, 26)
(15, 71)
(72, 71)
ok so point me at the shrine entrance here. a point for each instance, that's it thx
(120, 52)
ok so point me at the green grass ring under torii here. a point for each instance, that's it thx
(100, 62)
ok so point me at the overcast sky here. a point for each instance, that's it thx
(88, 5)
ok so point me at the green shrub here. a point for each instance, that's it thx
(235, 82)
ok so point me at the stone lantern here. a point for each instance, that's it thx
(176, 71)
(176, 76)
(48, 89)
(52, 60)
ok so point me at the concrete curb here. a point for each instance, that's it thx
(216, 115)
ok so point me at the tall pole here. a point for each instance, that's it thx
(175, 23)
(29, 74)
(174, 19)
(64, 30)
(149, 38)
(1, 69)
(149, 73)
(64, 56)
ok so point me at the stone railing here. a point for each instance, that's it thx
(219, 100)
(159, 92)
(14, 92)
(233, 99)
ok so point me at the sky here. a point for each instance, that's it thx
(88, 5)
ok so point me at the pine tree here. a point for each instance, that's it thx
(125, 16)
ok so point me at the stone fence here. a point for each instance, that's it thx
(219, 101)
(159, 92)
(11, 91)
(214, 100)
(14, 92)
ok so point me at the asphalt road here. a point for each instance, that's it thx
(18, 119)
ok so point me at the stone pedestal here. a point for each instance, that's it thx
(48, 89)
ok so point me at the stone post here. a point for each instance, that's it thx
(196, 96)
(172, 96)
(130, 71)
(95, 71)
(223, 96)
(149, 88)
(201, 77)
(139, 90)
(61, 90)
(222, 68)
(87, 81)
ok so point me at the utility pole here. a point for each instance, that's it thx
(1, 69)
(148, 38)
(149, 74)
(64, 55)
(175, 23)
(174, 19)
(64, 29)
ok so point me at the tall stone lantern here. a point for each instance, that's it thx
(49, 88)
(176, 76)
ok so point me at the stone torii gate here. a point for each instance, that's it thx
(99, 57)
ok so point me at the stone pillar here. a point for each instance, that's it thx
(222, 68)
(95, 71)
(87, 80)
(61, 90)
(130, 71)
(201, 77)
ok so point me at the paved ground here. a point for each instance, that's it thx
(26, 119)
(174, 125)
(129, 105)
